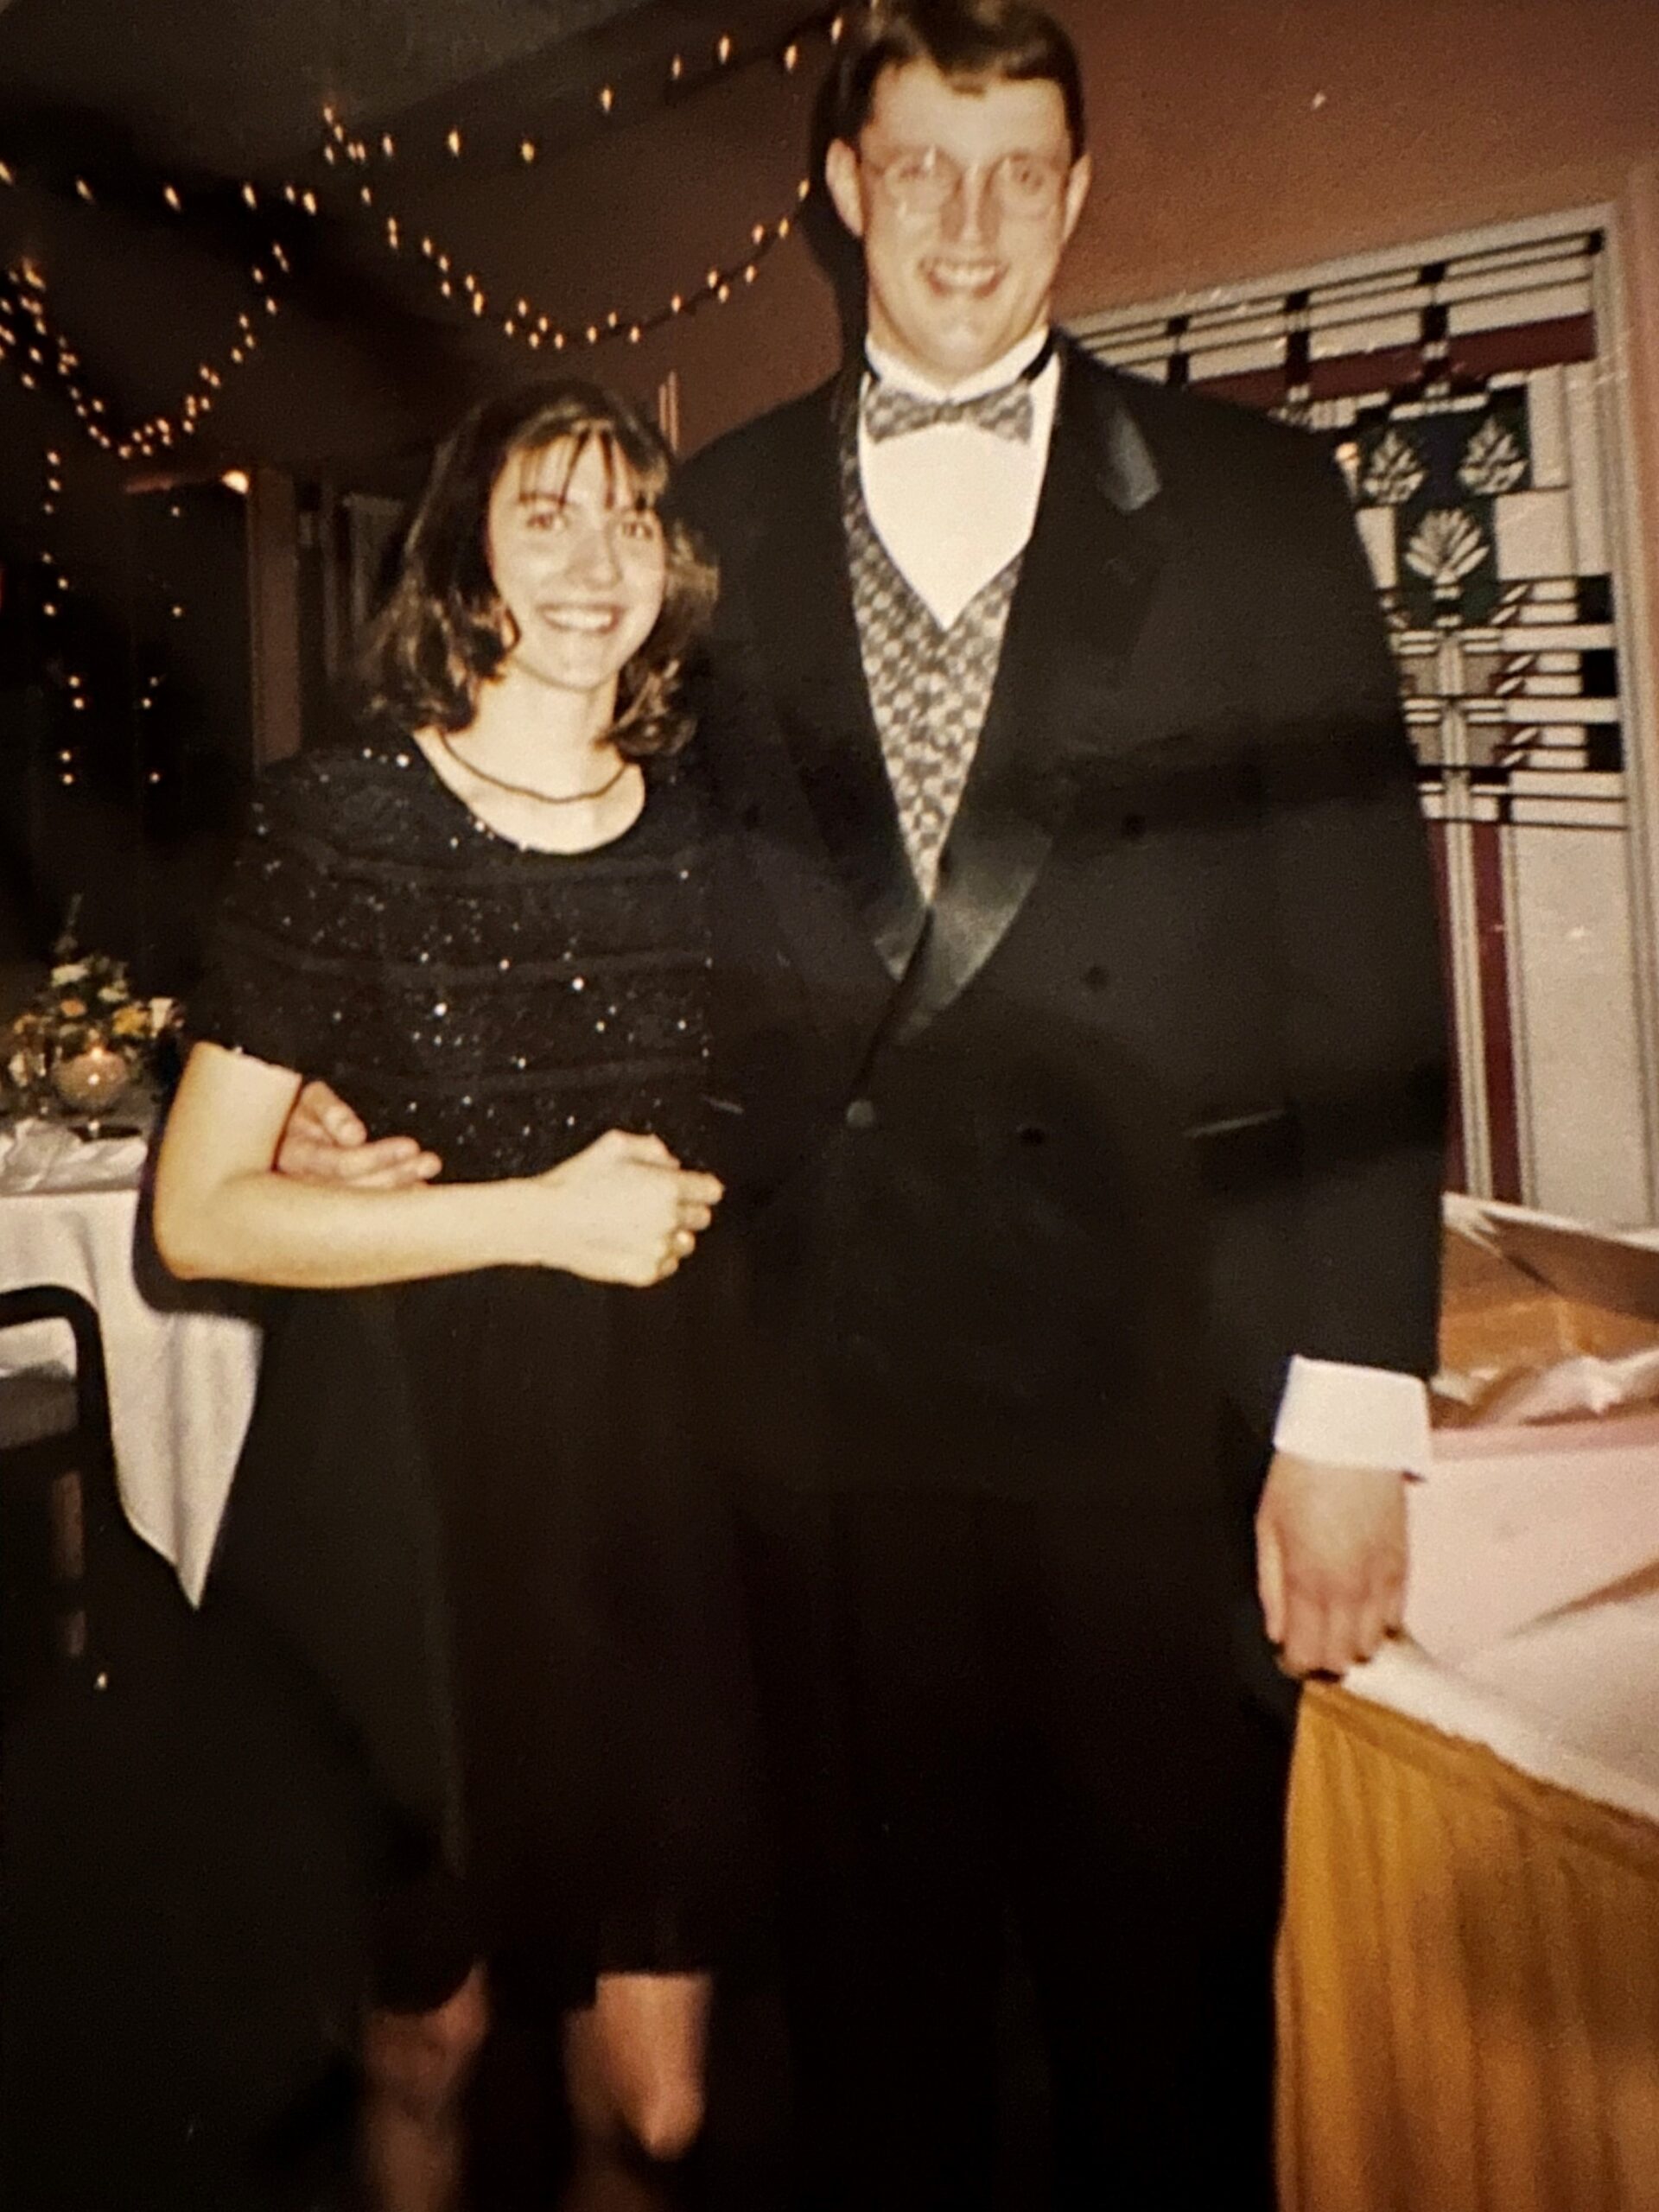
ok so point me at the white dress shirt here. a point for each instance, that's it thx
(953, 503)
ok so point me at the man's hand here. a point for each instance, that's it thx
(1330, 1561)
(324, 1142)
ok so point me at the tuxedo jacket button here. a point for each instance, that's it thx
(862, 1114)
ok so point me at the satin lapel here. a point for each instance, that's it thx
(773, 738)
(1085, 588)
(800, 594)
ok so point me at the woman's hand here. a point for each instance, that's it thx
(623, 1210)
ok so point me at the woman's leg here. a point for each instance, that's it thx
(416, 2068)
(634, 2072)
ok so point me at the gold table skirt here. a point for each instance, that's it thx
(1468, 1981)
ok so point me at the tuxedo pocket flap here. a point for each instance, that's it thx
(1232, 1125)
(1240, 1151)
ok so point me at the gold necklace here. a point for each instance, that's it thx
(523, 791)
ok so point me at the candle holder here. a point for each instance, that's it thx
(90, 1080)
(86, 1041)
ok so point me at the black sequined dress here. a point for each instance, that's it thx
(506, 1006)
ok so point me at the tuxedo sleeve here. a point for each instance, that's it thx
(1356, 944)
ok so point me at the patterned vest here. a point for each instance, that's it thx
(930, 688)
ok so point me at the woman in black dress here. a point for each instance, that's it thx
(485, 920)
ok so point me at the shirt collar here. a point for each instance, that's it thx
(1011, 364)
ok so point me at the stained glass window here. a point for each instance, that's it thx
(1468, 399)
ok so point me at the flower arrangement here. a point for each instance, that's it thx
(84, 1036)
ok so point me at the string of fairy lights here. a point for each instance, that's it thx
(47, 359)
(524, 320)
(30, 336)
(41, 353)
(683, 76)
(56, 592)
(356, 182)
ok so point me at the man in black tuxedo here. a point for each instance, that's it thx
(1093, 1013)
(1085, 1055)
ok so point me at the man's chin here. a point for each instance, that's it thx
(952, 355)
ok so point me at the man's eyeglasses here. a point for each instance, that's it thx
(923, 180)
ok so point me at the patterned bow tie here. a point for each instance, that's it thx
(891, 412)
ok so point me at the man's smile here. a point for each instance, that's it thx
(960, 279)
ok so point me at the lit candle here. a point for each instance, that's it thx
(91, 1078)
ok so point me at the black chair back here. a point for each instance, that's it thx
(57, 1473)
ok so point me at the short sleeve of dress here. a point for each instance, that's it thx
(267, 990)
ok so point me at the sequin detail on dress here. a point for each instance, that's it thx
(503, 1006)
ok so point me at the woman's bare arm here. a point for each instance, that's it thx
(623, 1211)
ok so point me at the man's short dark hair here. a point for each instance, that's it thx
(963, 39)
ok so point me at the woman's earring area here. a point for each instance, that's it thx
(501, 620)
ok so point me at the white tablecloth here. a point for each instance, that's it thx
(1534, 1604)
(182, 1362)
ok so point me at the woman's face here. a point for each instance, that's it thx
(578, 562)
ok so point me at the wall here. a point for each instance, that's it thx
(1239, 137)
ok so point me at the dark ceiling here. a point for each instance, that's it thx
(234, 86)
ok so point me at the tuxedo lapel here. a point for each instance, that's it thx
(1085, 586)
(806, 637)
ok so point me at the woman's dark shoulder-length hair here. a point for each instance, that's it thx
(442, 631)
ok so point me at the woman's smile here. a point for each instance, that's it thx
(587, 621)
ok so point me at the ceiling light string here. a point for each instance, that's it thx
(41, 354)
(54, 589)
(175, 202)
(526, 322)
(55, 594)
(684, 77)
(38, 350)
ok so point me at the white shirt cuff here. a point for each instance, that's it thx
(1354, 1416)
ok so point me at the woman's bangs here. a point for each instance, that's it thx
(549, 453)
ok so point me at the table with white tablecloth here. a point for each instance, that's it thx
(182, 1360)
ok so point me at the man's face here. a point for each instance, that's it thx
(964, 196)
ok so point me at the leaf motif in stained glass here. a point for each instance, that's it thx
(1492, 461)
(1449, 545)
(1394, 471)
